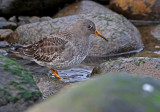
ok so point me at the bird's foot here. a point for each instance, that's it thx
(55, 72)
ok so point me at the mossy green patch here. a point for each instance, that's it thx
(7, 96)
(15, 69)
(22, 83)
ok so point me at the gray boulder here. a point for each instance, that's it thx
(134, 65)
(122, 35)
(116, 92)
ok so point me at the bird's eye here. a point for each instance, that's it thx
(90, 27)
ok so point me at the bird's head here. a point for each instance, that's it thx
(87, 27)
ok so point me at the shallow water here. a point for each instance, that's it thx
(151, 44)
(75, 74)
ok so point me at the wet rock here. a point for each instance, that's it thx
(8, 25)
(45, 19)
(137, 65)
(137, 9)
(122, 35)
(2, 19)
(33, 19)
(30, 7)
(23, 20)
(5, 34)
(83, 7)
(4, 44)
(156, 32)
(3, 52)
(26, 20)
(47, 85)
(18, 90)
(116, 92)
(13, 19)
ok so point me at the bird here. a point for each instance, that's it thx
(62, 50)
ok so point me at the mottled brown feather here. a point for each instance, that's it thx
(46, 49)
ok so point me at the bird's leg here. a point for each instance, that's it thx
(55, 72)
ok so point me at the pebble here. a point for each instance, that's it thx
(3, 19)
(45, 19)
(4, 44)
(13, 19)
(7, 25)
(5, 33)
(3, 52)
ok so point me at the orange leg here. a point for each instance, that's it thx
(55, 72)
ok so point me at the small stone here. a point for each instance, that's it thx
(157, 47)
(23, 20)
(12, 19)
(4, 44)
(148, 88)
(5, 34)
(3, 19)
(8, 25)
(33, 19)
(3, 52)
(157, 52)
(45, 19)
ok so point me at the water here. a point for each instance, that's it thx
(75, 74)
(151, 44)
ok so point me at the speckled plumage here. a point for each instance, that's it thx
(62, 50)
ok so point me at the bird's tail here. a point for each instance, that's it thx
(23, 51)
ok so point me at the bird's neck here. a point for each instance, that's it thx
(81, 41)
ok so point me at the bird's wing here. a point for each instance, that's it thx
(46, 49)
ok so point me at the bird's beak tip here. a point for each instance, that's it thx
(99, 34)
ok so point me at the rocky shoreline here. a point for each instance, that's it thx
(24, 83)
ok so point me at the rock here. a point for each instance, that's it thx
(34, 19)
(8, 25)
(30, 7)
(26, 20)
(5, 34)
(137, 65)
(47, 85)
(18, 90)
(23, 20)
(116, 92)
(13, 19)
(83, 7)
(156, 32)
(45, 19)
(2, 19)
(137, 9)
(122, 35)
(3, 52)
(4, 44)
